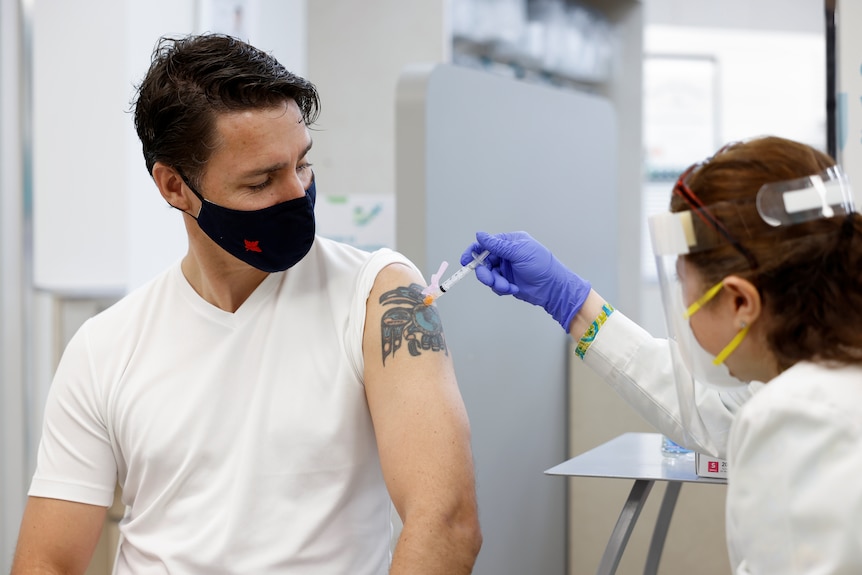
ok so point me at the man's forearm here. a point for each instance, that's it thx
(434, 547)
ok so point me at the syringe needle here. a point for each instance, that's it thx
(456, 277)
(459, 275)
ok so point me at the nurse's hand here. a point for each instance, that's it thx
(519, 265)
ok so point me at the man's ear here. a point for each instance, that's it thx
(747, 305)
(172, 187)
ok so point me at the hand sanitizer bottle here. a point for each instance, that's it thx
(672, 449)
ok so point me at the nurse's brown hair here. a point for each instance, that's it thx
(809, 275)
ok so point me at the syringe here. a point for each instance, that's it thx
(434, 292)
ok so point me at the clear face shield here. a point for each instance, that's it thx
(677, 234)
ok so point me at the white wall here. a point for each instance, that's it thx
(100, 225)
(13, 479)
(78, 144)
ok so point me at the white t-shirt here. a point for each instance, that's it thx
(794, 491)
(242, 441)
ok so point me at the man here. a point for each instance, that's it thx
(262, 402)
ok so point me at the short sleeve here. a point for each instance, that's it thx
(75, 459)
(364, 282)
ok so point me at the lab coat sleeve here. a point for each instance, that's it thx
(638, 367)
(794, 501)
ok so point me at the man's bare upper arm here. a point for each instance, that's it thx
(419, 417)
(57, 536)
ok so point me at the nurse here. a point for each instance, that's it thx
(760, 263)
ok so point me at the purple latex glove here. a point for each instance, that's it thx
(519, 265)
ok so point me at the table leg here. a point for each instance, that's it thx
(662, 523)
(625, 524)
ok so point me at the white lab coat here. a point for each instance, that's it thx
(638, 367)
(794, 448)
(794, 496)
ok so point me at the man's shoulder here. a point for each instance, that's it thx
(334, 249)
(137, 303)
(339, 255)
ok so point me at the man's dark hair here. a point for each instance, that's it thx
(193, 79)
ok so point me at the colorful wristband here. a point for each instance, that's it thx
(590, 335)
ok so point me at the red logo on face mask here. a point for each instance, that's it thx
(251, 246)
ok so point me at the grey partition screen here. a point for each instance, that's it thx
(475, 151)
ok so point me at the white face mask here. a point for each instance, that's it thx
(701, 365)
(707, 370)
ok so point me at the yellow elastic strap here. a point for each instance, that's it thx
(731, 347)
(693, 308)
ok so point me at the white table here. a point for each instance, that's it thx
(635, 456)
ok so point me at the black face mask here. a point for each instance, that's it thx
(272, 239)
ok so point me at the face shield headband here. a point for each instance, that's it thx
(706, 216)
(824, 195)
(700, 229)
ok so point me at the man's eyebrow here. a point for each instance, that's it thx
(275, 167)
